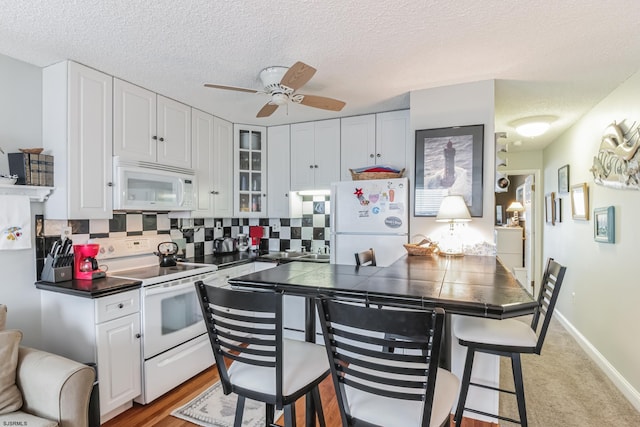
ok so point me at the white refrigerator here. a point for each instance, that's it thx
(369, 214)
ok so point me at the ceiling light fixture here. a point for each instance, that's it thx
(530, 127)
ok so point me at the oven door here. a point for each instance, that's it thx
(171, 316)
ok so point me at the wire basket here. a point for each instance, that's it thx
(375, 175)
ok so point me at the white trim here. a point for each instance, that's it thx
(609, 370)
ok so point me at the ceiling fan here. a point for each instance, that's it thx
(281, 83)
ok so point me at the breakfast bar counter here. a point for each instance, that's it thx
(469, 285)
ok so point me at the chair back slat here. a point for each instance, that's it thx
(357, 342)
(243, 327)
(547, 298)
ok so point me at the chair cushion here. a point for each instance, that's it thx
(10, 397)
(388, 412)
(20, 418)
(302, 363)
(507, 332)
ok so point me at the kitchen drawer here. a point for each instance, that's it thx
(118, 305)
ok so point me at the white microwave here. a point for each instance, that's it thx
(145, 186)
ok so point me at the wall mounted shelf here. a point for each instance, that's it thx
(35, 193)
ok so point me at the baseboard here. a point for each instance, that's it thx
(620, 382)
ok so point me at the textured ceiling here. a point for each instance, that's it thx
(548, 56)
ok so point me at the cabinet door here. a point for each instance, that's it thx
(134, 122)
(250, 171)
(118, 350)
(326, 153)
(89, 193)
(358, 143)
(279, 172)
(302, 156)
(203, 162)
(222, 185)
(174, 133)
(392, 138)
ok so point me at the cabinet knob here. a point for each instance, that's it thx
(371, 155)
(161, 139)
(315, 166)
(109, 184)
(310, 166)
(215, 192)
(121, 305)
(138, 335)
(286, 194)
(154, 137)
(379, 155)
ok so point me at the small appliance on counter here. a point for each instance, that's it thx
(256, 233)
(85, 265)
(224, 245)
(243, 242)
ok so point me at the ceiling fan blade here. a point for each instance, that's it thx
(267, 110)
(321, 102)
(297, 75)
(239, 89)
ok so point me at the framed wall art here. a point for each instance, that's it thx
(604, 229)
(563, 179)
(448, 162)
(550, 208)
(558, 210)
(580, 201)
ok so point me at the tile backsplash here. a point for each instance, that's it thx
(311, 231)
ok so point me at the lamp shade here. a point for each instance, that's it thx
(515, 207)
(453, 209)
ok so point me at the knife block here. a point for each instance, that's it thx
(57, 274)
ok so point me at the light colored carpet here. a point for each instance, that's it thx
(212, 408)
(565, 388)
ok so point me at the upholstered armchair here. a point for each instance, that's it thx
(39, 388)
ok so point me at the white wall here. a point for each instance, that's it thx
(601, 291)
(458, 105)
(20, 127)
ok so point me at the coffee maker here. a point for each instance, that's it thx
(85, 265)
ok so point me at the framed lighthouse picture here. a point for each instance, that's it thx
(448, 162)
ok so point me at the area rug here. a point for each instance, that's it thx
(212, 408)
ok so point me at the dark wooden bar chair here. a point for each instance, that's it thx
(246, 327)
(366, 258)
(377, 388)
(508, 338)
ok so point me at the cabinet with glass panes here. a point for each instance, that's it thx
(250, 171)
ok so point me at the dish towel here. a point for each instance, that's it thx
(15, 222)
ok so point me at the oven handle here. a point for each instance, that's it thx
(168, 289)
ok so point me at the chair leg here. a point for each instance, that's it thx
(290, 415)
(269, 414)
(318, 405)
(239, 411)
(464, 388)
(516, 366)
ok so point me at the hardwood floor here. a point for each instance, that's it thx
(158, 413)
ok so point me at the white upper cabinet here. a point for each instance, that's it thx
(279, 172)
(222, 185)
(77, 131)
(250, 178)
(315, 154)
(203, 162)
(374, 139)
(150, 127)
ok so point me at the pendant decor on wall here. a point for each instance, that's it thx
(617, 164)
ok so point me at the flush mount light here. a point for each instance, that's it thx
(530, 127)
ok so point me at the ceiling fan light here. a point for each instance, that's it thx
(279, 98)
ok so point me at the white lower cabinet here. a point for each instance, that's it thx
(293, 319)
(104, 331)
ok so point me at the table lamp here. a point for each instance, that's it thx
(515, 207)
(453, 210)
